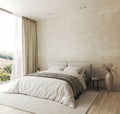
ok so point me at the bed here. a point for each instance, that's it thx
(58, 89)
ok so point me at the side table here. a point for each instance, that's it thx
(97, 80)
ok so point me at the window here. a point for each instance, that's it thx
(7, 44)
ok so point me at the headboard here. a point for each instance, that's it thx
(90, 69)
(86, 66)
(56, 64)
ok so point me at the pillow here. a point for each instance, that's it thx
(56, 68)
(70, 72)
(52, 71)
(79, 70)
(74, 73)
(86, 66)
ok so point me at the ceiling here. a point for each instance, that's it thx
(43, 9)
(49, 9)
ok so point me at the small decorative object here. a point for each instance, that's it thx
(109, 76)
(38, 69)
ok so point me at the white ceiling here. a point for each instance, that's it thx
(43, 9)
(47, 9)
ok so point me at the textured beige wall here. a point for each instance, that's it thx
(93, 35)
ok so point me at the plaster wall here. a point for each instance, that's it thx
(92, 35)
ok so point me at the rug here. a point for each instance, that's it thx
(43, 106)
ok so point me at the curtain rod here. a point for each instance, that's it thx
(6, 10)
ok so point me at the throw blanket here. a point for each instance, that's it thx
(73, 81)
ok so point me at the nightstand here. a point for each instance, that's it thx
(96, 80)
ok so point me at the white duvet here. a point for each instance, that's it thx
(47, 88)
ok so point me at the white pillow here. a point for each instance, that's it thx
(52, 71)
(56, 68)
(79, 70)
(70, 72)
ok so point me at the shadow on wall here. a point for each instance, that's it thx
(98, 71)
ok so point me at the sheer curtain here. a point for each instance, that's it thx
(17, 68)
(26, 54)
(30, 52)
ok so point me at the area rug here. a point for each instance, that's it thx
(43, 106)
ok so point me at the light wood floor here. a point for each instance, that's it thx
(106, 103)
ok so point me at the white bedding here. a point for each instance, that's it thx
(39, 105)
(47, 88)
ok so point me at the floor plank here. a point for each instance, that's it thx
(106, 103)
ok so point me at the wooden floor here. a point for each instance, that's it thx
(106, 103)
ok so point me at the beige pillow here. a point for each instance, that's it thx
(79, 70)
(56, 68)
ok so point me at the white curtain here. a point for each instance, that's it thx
(30, 53)
(17, 68)
(26, 54)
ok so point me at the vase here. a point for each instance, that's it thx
(109, 81)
